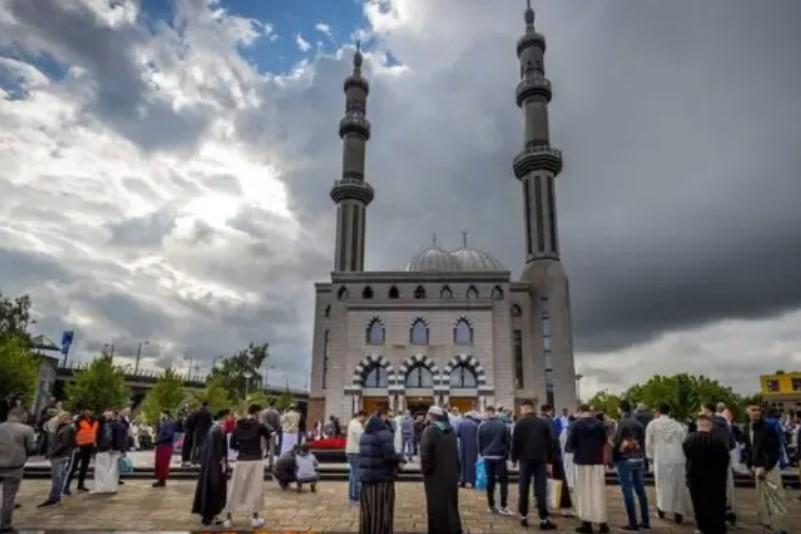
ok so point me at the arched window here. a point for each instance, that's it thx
(472, 292)
(376, 377)
(327, 312)
(462, 377)
(367, 292)
(497, 293)
(516, 311)
(418, 335)
(393, 292)
(420, 292)
(446, 293)
(462, 332)
(419, 376)
(342, 294)
(375, 332)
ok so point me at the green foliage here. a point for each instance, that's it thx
(257, 397)
(19, 369)
(98, 387)
(233, 370)
(167, 394)
(284, 401)
(14, 317)
(609, 403)
(215, 393)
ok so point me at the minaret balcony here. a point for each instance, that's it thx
(531, 38)
(534, 84)
(538, 158)
(356, 81)
(352, 188)
(354, 122)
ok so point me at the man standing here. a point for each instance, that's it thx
(440, 466)
(17, 442)
(763, 451)
(247, 481)
(211, 490)
(533, 448)
(468, 450)
(587, 440)
(707, 465)
(355, 431)
(85, 438)
(721, 429)
(272, 420)
(628, 451)
(62, 443)
(188, 446)
(378, 468)
(290, 426)
(407, 436)
(559, 428)
(201, 425)
(494, 444)
(165, 438)
(664, 438)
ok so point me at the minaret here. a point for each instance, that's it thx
(352, 193)
(536, 167)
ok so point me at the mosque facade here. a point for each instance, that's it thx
(453, 327)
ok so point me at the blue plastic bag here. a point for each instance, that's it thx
(481, 475)
(125, 465)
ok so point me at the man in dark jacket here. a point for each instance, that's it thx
(628, 451)
(165, 438)
(763, 451)
(494, 444)
(587, 441)
(722, 430)
(532, 447)
(707, 462)
(62, 444)
(202, 422)
(440, 466)
(378, 468)
(247, 481)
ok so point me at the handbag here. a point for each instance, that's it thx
(125, 464)
(481, 475)
(554, 494)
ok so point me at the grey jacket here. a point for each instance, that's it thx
(17, 442)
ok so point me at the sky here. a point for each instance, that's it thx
(165, 168)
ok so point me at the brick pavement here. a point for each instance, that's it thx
(138, 507)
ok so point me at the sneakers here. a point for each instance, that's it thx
(227, 523)
(505, 512)
(492, 510)
(256, 522)
(546, 524)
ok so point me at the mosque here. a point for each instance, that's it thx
(453, 327)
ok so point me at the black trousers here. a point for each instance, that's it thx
(535, 470)
(82, 456)
(496, 472)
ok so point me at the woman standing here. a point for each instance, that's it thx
(378, 468)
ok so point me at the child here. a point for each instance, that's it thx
(306, 468)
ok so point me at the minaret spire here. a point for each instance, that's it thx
(351, 192)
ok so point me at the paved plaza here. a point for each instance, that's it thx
(138, 507)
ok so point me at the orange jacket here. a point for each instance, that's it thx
(86, 432)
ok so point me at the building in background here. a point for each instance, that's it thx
(452, 328)
(782, 390)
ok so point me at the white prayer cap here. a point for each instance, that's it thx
(436, 410)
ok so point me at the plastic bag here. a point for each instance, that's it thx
(481, 475)
(125, 464)
(554, 494)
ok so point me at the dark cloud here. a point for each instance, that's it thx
(21, 269)
(146, 231)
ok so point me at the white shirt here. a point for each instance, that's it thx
(664, 438)
(355, 431)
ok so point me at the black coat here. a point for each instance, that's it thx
(247, 439)
(211, 491)
(630, 428)
(762, 446)
(587, 439)
(284, 468)
(532, 440)
(378, 461)
(707, 468)
(440, 466)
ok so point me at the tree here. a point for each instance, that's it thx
(14, 317)
(167, 394)
(98, 387)
(216, 394)
(19, 369)
(609, 403)
(233, 371)
(284, 401)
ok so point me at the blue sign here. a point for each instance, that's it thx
(66, 341)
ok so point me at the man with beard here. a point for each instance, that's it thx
(211, 491)
(440, 466)
(707, 465)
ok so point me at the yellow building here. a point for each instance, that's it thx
(782, 390)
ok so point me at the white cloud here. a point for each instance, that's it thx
(324, 28)
(302, 43)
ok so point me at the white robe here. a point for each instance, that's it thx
(590, 494)
(664, 438)
(107, 474)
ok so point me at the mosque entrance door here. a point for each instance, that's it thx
(465, 404)
(371, 404)
(419, 405)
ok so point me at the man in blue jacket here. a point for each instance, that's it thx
(494, 444)
(378, 468)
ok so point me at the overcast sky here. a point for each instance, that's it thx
(165, 169)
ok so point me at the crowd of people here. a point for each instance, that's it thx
(564, 458)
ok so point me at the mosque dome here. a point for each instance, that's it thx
(471, 259)
(434, 259)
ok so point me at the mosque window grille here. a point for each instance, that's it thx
(462, 332)
(376, 376)
(419, 377)
(418, 333)
(463, 377)
(376, 332)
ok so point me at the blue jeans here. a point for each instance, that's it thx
(630, 473)
(58, 476)
(354, 484)
(408, 446)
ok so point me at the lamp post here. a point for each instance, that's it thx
(139, 355)
(248, 375)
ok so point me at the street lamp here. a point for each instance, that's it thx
(248, 375)
(139, 355)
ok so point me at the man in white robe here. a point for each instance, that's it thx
(664, 437)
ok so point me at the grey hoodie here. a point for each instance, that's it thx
(17, 442)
